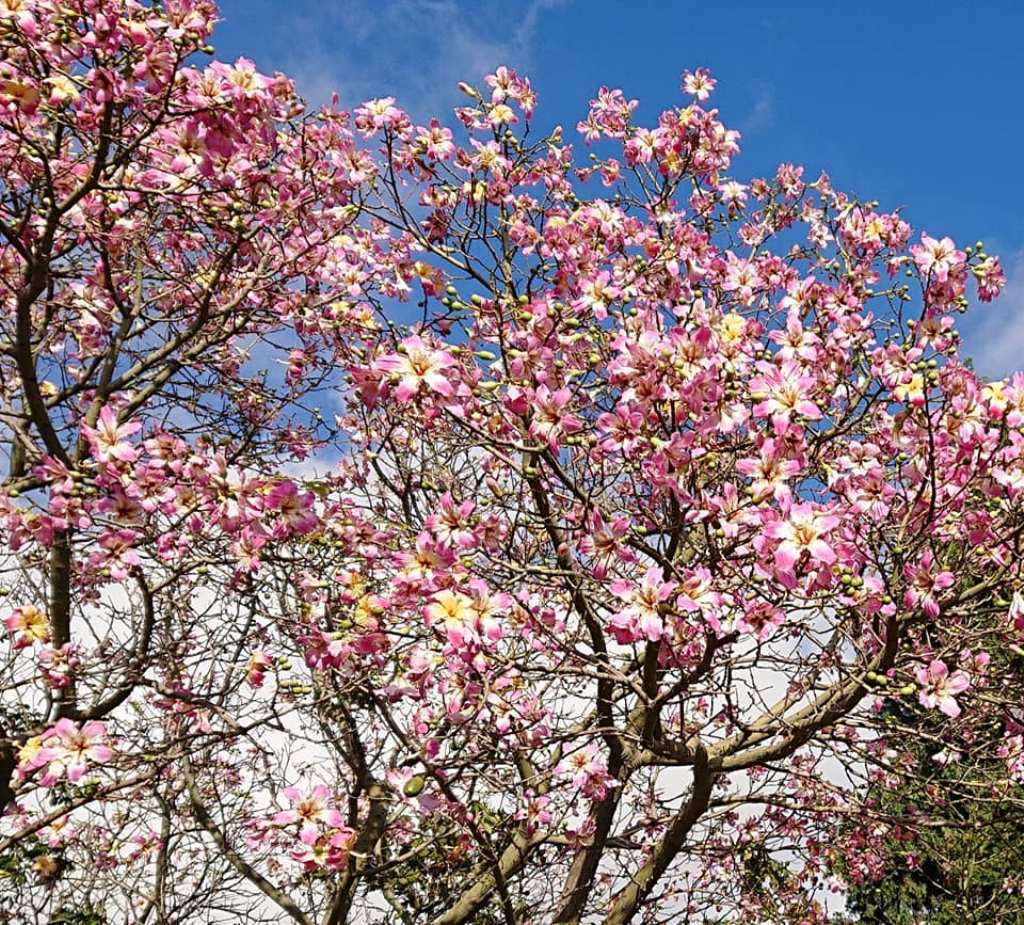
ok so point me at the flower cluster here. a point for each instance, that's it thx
(65, 750)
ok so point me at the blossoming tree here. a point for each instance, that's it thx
(410, 524)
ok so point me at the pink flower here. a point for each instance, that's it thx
(144, 844)
(700, 83)
(623, 428)
(256, 669)
(429, 558)
(535, 813)
(770, 471)
(246, 549)
(924, 583)
(241, 79)
(550, 419)
(597, 293)
(696, 593)
(506, 84)
(501, 83)
(1015, 616)
(378, 114)
(108, 440)
(331, 851)
(57, 666)
(589, 771)
(939, 688)
(30, 624)
(454, 611)
(795, 342)
(761, 619)
(803, 530)
(990, 278)
(294, 509)
(68, 750)
(467, 620)
(451, 524)
(641, 619)
(310, 811)
(604, 543)
(782, 393)
(417, 364)
(733, 193)
(741, 277)
(117, 552)
(436, 141)
(937, 259)
(21, 95)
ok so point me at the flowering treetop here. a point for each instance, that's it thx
(657, 489)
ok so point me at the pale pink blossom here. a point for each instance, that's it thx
(699, 83)
(311, 810)
(804, 529)
(924, 583)
(68, 750)
(939, 688)
(937, 258)
(641, 618)
(108, 440)
(418, 365)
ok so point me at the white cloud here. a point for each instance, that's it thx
(415, 50)
(762, 111)
(995, 340)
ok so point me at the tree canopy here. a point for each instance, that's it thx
(457, 523)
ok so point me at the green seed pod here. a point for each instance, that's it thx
(414, 786)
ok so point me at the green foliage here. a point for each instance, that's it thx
(412, 888)
(87, 915)
(960, 845)
(30, 860)
(959, 875)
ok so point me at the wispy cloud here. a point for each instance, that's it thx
(415, 50)
(762, 111)
(995, 341)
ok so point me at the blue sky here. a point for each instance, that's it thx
(916, 104)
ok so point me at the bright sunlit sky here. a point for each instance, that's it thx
(917, 104)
